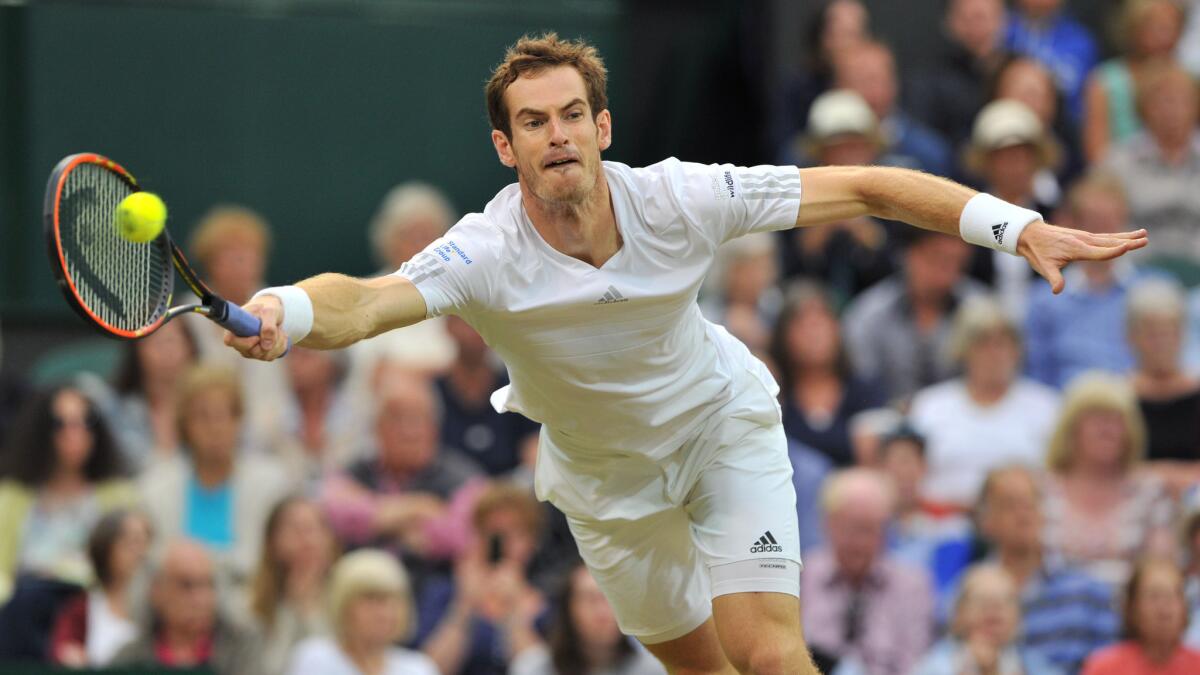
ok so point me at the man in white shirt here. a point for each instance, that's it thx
(661, 436)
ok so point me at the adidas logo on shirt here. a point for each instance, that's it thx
(610, 296)
(998, 232)
(766, 544)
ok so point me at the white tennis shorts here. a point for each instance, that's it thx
(717, 516)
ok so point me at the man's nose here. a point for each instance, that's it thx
(558, 135)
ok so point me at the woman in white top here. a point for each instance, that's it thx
(584, 637)
(989, 417)
(371, 608)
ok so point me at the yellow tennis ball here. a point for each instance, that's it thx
(140, 217)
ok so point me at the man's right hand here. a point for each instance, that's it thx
(271, 342)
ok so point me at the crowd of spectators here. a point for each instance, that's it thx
(990, 478)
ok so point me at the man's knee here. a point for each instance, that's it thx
(778, 654)
(760, 633)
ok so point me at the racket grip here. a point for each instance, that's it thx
(242, 323)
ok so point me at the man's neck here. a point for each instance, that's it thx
(185, 645)
(1021, 563)
(586, 230)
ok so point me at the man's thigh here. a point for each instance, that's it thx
(650, 572)
(760, 632)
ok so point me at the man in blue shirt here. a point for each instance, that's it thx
(1066, 614)
(1039, 29)
(1084, 327)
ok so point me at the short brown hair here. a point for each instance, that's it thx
(200, 379)
(531, 55)
(227, 223)
(504, 496)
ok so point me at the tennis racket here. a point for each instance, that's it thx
(122, 288)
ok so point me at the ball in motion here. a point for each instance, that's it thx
(140, 217)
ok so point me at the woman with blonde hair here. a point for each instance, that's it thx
(287, 592)
(371, 608)
(1101, 511)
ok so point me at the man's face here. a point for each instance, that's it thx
(856, 534)
(556, 143)
(407, 428)
(872, 74)
(934, 265)
(976, 23)
(1012, 515)
(1039, 8)
(185, 593)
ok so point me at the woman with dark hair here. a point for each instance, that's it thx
(288, 590)
(818, 393)
(1155, 618)
(584, 638)
(62, 472)
(140, 404)
(95, 624)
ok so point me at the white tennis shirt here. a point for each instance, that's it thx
(616, 359)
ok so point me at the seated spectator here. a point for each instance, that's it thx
(230, 244)
(949, 94)
(409, 218)
(1029, 81)
(371, 607)
(319, 429)
(984, 631)
(924, 534)
(1160, 166)
(413, 494)
(62, 472)
(584, 638)
(1154, 622)
(861, 606)
(897, 330)
(1150, 30)
(988, 417)
(140, 405)
(470, 425)
(1083, 328)
(832, 26)
(742, 289)
(1008, 149)
(1168, 395)
(818, 392)
(851, 254)
(215, 492)
(868, 430)
(186, 629)
(869, 69)
(1043, 30)
(1066, 614)
(95, 624)
(486, 617)
(1101, 512)
(287, 594)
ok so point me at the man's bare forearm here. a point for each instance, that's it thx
(346, 310)
(835, 193)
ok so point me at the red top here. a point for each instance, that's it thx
(70, 626)
(1128, 658)
(166, 657)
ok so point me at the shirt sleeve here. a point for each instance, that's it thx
(728, 201)
(450, 273)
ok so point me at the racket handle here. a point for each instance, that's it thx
(241, 323)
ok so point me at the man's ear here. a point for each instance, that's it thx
(604, 129)
(503, 148)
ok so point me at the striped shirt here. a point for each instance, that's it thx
(1067, 615)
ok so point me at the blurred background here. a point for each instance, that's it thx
(1001, 477)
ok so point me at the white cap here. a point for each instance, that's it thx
(839, 112)
(1004, 123)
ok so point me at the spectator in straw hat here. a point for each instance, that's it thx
(1009, 147)
(852, 254)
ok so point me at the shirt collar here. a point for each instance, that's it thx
(876, 577)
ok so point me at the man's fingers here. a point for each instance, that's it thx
(1055, 277)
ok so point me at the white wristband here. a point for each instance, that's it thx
(297, 310)
(994, 223)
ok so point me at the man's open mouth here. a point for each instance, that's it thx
(562, 162)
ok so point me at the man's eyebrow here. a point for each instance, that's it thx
(535, 113)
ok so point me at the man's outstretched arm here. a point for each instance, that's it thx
(833, 193)
(341, 311)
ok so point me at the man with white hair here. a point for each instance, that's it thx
(860, 604)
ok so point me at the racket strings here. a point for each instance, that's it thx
(126, 284)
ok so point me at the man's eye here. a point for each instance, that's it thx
(575, 115)
(533, 124)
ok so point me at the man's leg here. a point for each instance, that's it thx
(697, 653)
(760, 633)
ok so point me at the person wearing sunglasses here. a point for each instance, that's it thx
(61, 472)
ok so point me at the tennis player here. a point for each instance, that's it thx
(661, 438)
